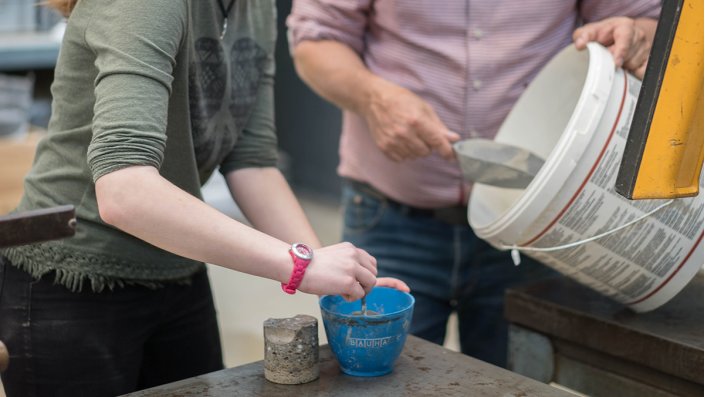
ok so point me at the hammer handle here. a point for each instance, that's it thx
(4, 357)
(39, 225)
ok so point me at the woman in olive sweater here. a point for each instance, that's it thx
(150, 97)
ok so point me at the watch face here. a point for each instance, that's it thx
(303, 251)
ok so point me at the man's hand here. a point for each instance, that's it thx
(403, 125)
(629, 40)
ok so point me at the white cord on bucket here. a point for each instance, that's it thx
(516, 258)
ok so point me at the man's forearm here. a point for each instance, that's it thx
(335, 72)
(402, 124)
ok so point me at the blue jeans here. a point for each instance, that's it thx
(447, 267)
(65, 343)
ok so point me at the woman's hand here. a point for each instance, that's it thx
(340, 269)
(393, 283)
(629, 40)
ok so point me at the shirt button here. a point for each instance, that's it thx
(474, 133)
(478, 33)
(476, 84)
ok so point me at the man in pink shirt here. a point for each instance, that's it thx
(414, 76)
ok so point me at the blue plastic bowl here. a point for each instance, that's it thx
(368, 345)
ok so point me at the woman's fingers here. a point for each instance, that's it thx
(367, 261)
(357, 293)
(391, 282)
(341, 269)
(366, 279)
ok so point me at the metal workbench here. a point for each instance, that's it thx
(423, 369)
(565, 333)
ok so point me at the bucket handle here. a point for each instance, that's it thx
(516, 258)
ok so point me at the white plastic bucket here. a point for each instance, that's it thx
(576, 115)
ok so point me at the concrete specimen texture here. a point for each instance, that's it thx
(291, 350)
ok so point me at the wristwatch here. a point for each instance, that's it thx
(301, 254)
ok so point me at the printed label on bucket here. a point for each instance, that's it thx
(633, 264)
(372, 342)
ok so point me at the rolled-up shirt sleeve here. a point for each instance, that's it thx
(595, 10)
(344, 21)
(135, 58)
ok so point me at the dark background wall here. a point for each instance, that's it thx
(308, 127)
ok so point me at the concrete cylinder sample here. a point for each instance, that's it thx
(291, 350)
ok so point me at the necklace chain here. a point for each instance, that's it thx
(225, 11)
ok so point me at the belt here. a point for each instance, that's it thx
(456, 215)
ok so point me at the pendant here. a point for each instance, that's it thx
(225, 29)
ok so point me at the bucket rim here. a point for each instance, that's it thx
(412, 302)
(595, 93)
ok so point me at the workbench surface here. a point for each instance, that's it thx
(423, 369)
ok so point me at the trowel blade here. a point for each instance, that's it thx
(497, 164)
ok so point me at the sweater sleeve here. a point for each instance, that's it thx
(595, 10)
(135, 43)
(341, 20)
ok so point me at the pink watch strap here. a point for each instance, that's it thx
(297, 274)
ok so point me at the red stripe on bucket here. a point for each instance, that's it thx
(592, 170)
(650, 294)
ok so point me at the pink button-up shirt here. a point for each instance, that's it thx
(470, 60)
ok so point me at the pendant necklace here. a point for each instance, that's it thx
(225, 12)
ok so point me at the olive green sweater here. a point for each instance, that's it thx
(148, 82)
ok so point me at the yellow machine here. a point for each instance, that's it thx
(664, 153)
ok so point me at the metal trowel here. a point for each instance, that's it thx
(497, 164)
